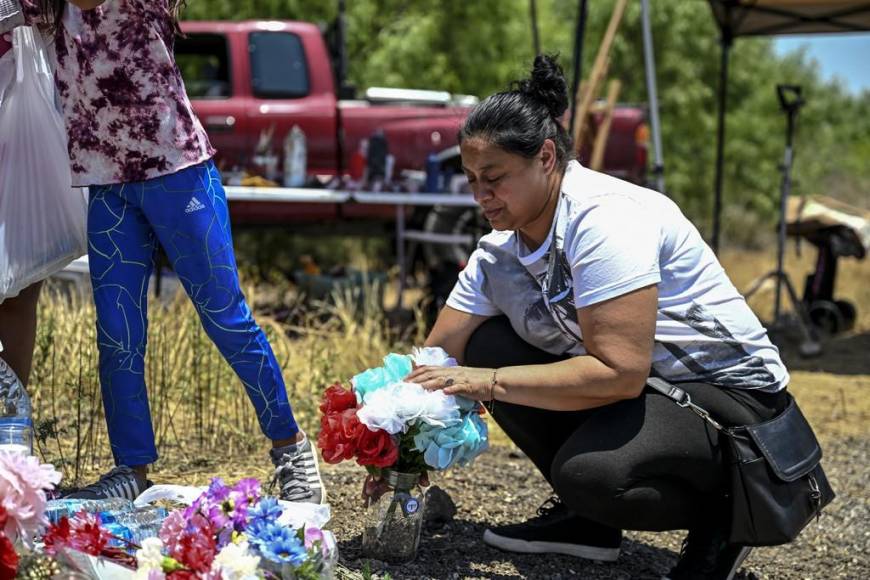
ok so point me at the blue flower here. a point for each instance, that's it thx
(280, 545)
(460, 443)
(396, 368)
(267, 511)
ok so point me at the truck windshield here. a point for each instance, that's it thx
(204, 65)
(278, 68)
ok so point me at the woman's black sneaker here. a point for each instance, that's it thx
(706, 555)
(556, 530)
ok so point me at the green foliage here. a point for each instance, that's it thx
(479, 47)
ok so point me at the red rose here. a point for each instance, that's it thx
(8, 558)
(338, 435)
(376, 448)
(337, 399)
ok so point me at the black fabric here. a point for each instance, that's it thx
(640, 464)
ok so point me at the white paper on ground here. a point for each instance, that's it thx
(98, 568)
(294, 514)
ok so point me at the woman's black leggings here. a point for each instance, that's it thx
(639, 464)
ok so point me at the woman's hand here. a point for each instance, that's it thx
(473, 383)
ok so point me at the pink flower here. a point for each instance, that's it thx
(172, 530)
(312, 536)
(189, 540)
(23, 483)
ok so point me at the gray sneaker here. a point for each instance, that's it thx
(120, 482)
(297, 473)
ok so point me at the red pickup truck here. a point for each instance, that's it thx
(248, 78)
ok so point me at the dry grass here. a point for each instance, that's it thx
(198, 406)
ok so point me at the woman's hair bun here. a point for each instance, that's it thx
(547, 85)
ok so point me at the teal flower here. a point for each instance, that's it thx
(396, 368)
(443, 447)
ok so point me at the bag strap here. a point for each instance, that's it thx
(682, 398)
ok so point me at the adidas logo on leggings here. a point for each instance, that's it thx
(194, 205)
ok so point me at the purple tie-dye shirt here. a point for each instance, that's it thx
(127, 112)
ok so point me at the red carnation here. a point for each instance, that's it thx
(57, 536)
(337, 399)
(8, 557)
(376, 448)
(338, 435)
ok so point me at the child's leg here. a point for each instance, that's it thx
(121, 248)
(188, 211)
(18, 330)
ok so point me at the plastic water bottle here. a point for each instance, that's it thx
(377, 156)
(16, 421)
(295, 158)
(433, 174)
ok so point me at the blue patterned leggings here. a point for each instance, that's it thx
(186, 213)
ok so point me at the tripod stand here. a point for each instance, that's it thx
(790, 101)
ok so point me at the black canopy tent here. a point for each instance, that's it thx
(772, 17)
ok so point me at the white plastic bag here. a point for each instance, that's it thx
(42, 217)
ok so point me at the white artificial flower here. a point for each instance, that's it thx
(433, 356)
(150, 555)
(235, 562)
(396, 406)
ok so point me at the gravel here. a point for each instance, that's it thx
(504, 487)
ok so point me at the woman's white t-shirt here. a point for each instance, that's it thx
(610, 237)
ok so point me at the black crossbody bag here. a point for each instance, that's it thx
(777, 485)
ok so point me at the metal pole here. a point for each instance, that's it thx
(536, 40)
(400, 252)
(658, 169)
(785, 191)
(579, 36)
(720, 138)
(341, 77)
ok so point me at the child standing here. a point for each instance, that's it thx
(136, 143)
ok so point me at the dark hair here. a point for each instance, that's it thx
(521, 119)
(53, 11)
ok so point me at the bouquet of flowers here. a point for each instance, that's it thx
(229, 533)
(399, 431)
(384, 422)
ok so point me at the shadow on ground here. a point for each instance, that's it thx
(456, 551)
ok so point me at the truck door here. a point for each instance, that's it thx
(208, 72)
(286, 92)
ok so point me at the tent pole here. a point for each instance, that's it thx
(658, 170)
(536, 39)
(720, 137)
(579, 37)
